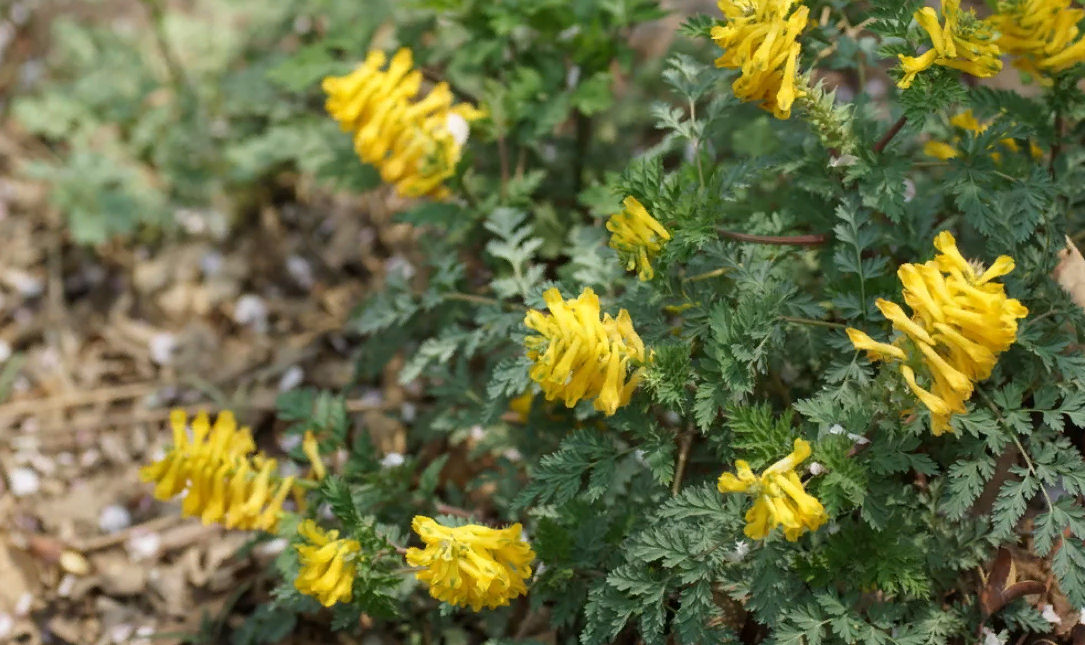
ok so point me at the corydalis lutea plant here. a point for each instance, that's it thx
(724, 463)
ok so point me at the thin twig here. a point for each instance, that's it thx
(455, 511)
(888, 136)
(503, 159)
(814, 239)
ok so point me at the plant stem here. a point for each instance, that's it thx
(685, 442)
(814, 239)
(1013, 435)
(696, 142)
(812, 321)
(888, 136)
(173, 66)
(707, 274)
(482, 300)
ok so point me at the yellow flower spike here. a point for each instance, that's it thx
(471, 566)
(779, 497)
(1041, 35)
(961, 321)
(637, 237)
(963, 42)
(215, 468)
(414, 143)
(327, 564)
(312, 451)
(759, 38)
(576, 355)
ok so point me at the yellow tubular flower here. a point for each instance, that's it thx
(224, 482)
(759, 38)
(414, 143)
(327, 564)
(637, 237)
(779, 496)
(471, 566)
(963, 42)
(961, 321)
(967, 121)
(312, 451)
(578, 356)
(1041, 35)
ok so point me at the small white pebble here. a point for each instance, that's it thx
(816, 468)
(161, 346)
(211, 263)
(639, 455)
(67, 584)
(251, 309)
(5, 351)
(836, 429)
(909, 190)
(121, 633)
(990, 637)
(291, 378)
(742, 548)
(90, 458)
(572, 77)
(26, 284)
(143, 546)
(859, 439)
(114, 518)
(408, 412)
(272, 548)
(401, 265)
(145, 631)
(1050, 615)
(512, 454)
(392, 460)
(23, 482)
(478, 433)
(325, 511)
(843, 160)
(288, 442)
(300, 269)
(672, 418)
(1081, 616)
(22, 606)
(288, 468)
(7, 623)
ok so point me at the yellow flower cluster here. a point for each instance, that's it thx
(780, 499)
(967, 121)
(578, 356)
(471, 566)
(1041, 35)
(327, 564)
(637, 237)
(759, 38)
(414, 143)
(964, 42)
(222, 480)
(961, 321)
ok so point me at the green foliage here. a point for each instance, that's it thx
(782, 233)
